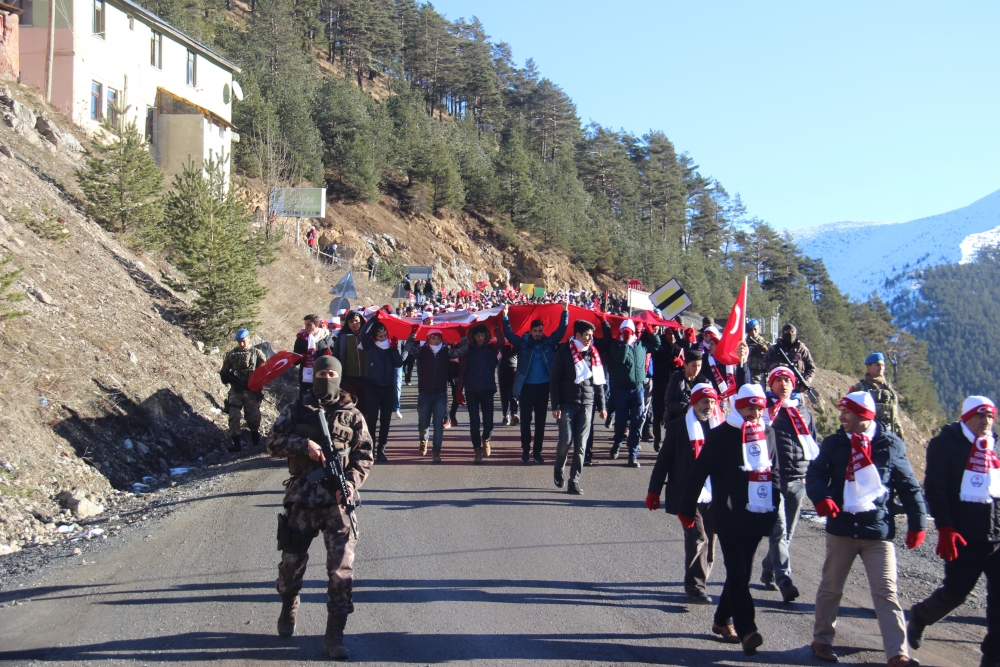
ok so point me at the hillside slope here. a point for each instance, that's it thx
(862, 257)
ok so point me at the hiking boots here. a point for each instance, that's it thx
(479, 454)
(423, 448)
(286, 621)
(614, 451)
(255, 438)
(236, 446)
(486, 447)
(333, 643)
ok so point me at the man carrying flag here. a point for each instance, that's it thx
(963, 496)
(628, 375)
(858, 469)
(726, 362)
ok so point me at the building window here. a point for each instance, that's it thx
(113, 115)
(156, 50)
(192, 68)
(96, 101)
(131, 22)
(99, 18)
(27, 8)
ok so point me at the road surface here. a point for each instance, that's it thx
(457, 563)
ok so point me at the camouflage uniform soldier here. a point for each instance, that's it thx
(797, 353)
(311, 508)
(885, 397)
(758, 348)
(237, 367)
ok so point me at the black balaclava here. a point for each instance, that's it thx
(788, 336)
(326, 390)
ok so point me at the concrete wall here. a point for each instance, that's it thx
(179, 138)
(10, 50)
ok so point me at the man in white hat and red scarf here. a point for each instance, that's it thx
(963, 495)
(858, 469)
(745, 483)
(794, 433)
(683, 442)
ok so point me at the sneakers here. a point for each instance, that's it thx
(557, 476)
(588, 460)
(486, 447)
(525, 457)
(633, 462)
(447, 423)
(607, 422)
(479, 454)
(454, 421)
(506, 420)
(380, 454)
(436, 457)
(397, 415)
(614, 451)
(286, 621)
(538, 458)
(423, 448)
(575, 489)
(767, 578)
(514, 420)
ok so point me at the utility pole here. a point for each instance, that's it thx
(50, 55)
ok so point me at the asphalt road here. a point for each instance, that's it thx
(457, 563)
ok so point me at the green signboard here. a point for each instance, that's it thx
(299, 202)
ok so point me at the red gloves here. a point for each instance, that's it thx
(652, 501)
(690, 335)
(914, 538)
(948, 543)
(678, 362)
(393, 343)
(686, 521)
(827, 507)
(460, 397)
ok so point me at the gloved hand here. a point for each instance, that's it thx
(948, 543)
(690, 335)
(686, 521)
(460, 397)
(678, 362)
(914, 538)
(652, 501)
(827, 507)
(393, 343)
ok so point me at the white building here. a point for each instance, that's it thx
(112, 53)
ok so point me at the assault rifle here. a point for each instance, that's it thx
(333, 468)
(810, 392)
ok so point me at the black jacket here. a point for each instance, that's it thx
(947, 456)
(678, 396)
(380, 365)
(479, 367)
(563, 388)
(791, 458)
(673, 464)
(722, 458)
(825, 479)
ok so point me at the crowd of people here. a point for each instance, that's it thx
(737, 447)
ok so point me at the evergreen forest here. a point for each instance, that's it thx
(389, 99)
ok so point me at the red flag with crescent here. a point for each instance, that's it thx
(735, 331)
(274, 367)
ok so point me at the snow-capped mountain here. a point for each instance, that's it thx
(862, 257)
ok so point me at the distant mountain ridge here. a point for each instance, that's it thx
(862, 257)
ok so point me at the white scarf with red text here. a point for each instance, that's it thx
(756, 462)
(696, 436)
(981, 478)
(583, 371)
(863, 483)
(810, 449)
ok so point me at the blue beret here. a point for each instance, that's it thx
(241, 334)
(874, 357)
(751, 324)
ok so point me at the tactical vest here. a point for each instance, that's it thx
(884, 398)
(307, 425)
(241, 362)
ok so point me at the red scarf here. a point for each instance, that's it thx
(809, 447)
(727, 385)
(863, 483)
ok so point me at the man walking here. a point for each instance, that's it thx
(850, 482)
(678, 396)
(348, 347)
(577, 387)
(683, 441)
(310, 342)
(886, 400)
(314, 507)
(627, 377)
(963, 496)
(477, 380)
(382, 359)
(506, 372)
(793, 431)
(237, 367)
(739, 460)
(535, 351)
(433, 360)
(372, 264)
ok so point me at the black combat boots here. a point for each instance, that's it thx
(333, 643)
(236, 444)
(289, 610)
(255, 437)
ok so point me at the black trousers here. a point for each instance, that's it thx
(534, 398)
(381, 405)
(738, 553)
(505, 377)
(960, 577)
(659, 406)
(453, 412)
(408, 365)
(480, 401)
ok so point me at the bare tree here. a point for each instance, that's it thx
(273, 159)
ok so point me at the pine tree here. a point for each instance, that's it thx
(215, 245)
(123, 186)
(7, 297)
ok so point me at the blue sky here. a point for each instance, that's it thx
(813, 111)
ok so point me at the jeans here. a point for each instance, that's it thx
(432, 406)
(476, 400)
(738, 552)
(534, 398)
(699, 550)
(574, 426)
(879, 559)
(628, 411)
(381, 399)
(505, 376)
(399, 388)
(777, 562)
(960, 577)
